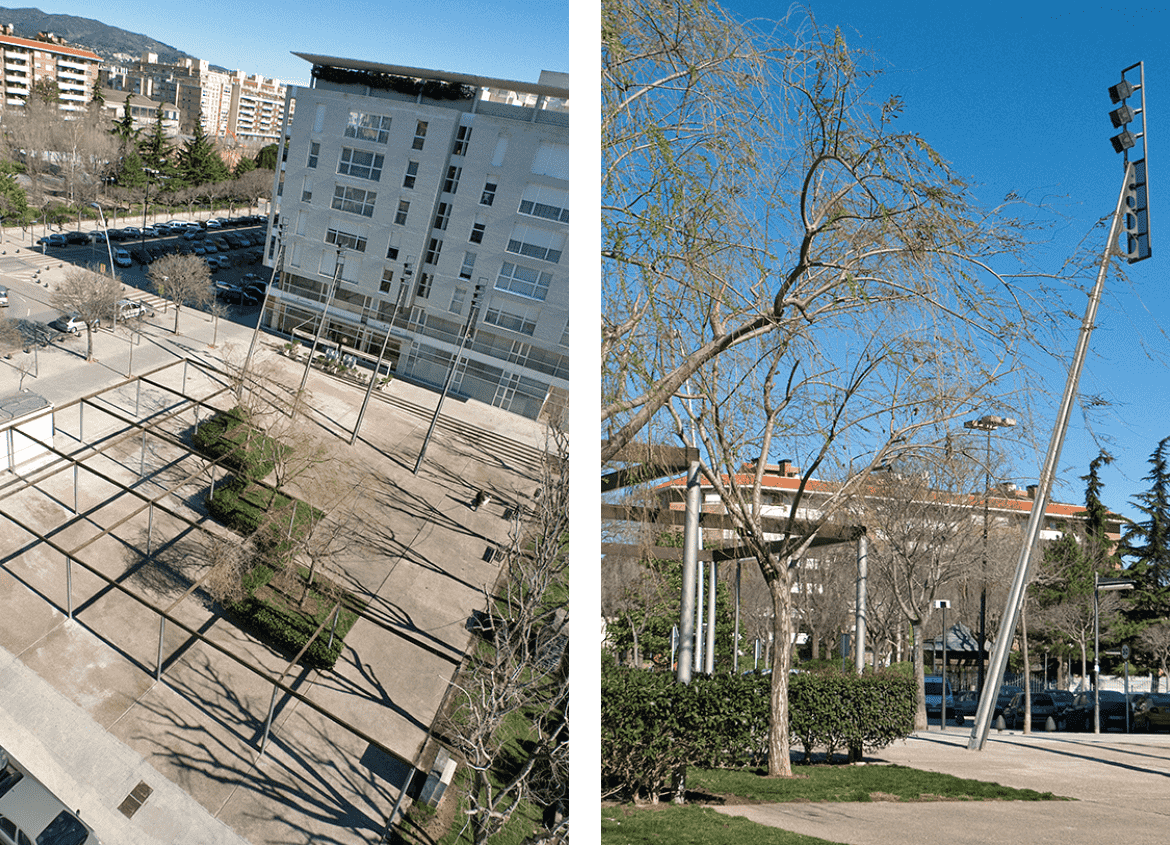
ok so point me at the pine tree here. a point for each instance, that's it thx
(1147, 542)
(199, 161)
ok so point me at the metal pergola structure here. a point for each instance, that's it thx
(153, 426)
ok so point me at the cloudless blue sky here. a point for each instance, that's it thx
(507, 39)
(1015, 96)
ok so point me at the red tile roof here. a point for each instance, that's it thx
(48, 47)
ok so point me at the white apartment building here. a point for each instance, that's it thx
(247, 107)
(27, 62)
(429, 186)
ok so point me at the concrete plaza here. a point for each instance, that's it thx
(81, 702)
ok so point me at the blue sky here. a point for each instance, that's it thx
(1014, 95)
(507, 39)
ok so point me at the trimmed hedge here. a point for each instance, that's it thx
(286, 629)
(250, 452)
(652, 726)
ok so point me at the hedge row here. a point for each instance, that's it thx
(652, 726)
(288, 632)
(248, 450)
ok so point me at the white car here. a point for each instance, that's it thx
(128, 309)
(29, 812)
(122, 258)
(72, 324)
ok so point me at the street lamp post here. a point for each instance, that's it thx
(987, 423)
(1100, 584)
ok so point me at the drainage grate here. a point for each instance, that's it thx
(135, 799)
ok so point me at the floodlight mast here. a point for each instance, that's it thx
(1015, 599)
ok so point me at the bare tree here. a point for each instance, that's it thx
(1156, 640)
(90, 295)
(523, 676)
(926, 540)
(183, 279)
(784, 269)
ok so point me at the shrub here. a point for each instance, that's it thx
(651, 726)
(248, 450)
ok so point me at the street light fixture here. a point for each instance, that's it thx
(1101, 584)
(987, 423)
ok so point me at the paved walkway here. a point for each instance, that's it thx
(1119, 783)
(79, 697)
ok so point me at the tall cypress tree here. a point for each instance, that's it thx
(1147, 541)
(199, 161)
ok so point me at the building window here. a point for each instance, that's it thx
(392, 249)
(314, 153)
(451, 183)
(547, 203)
(420, 135)
(462, 138)
(477, 230)
(348, 240)
(361, 164)
(433, 250)
(458, 297)
(387, 279)
(535, 243)
(368, 127)
(489, 194)
(519, 323)
(400, 215)
(319, 118)
(442, 216)
(354, 200)
(468, 265)
(524, 281)
(411, 174)
(307, 190)
(424, 286)
(552, 160)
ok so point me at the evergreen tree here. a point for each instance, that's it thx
(14, 208)
(124, 126)
(1147, 542)
(131, 171)
(266, 158)
(199, 162)
(244, 165)
(98, 101)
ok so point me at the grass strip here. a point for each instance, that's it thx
(669, 824)
(854, 783)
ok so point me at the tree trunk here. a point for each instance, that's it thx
(920, 722)
(779, 746)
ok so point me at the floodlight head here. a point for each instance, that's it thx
(1121, 116)
(1120, 91)
(1122, 142)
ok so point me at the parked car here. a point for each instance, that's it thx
(122, 258)
(934, 695)
(129, 309)
(150, 232)
(1151, 712)
(53, 240)
(73, 324)
(1114, 711)
(966, 705)
(77, 237)
(1043, 707)
(3, 297)
(1006, 693)
(29, 812)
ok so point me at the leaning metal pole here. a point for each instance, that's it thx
(1015, 599)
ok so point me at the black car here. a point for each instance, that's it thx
(1114, 711)
(1044, 707)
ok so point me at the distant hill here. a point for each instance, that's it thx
(106, 41)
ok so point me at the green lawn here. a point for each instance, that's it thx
(853, 783)
(690, 825)
(667, 823)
